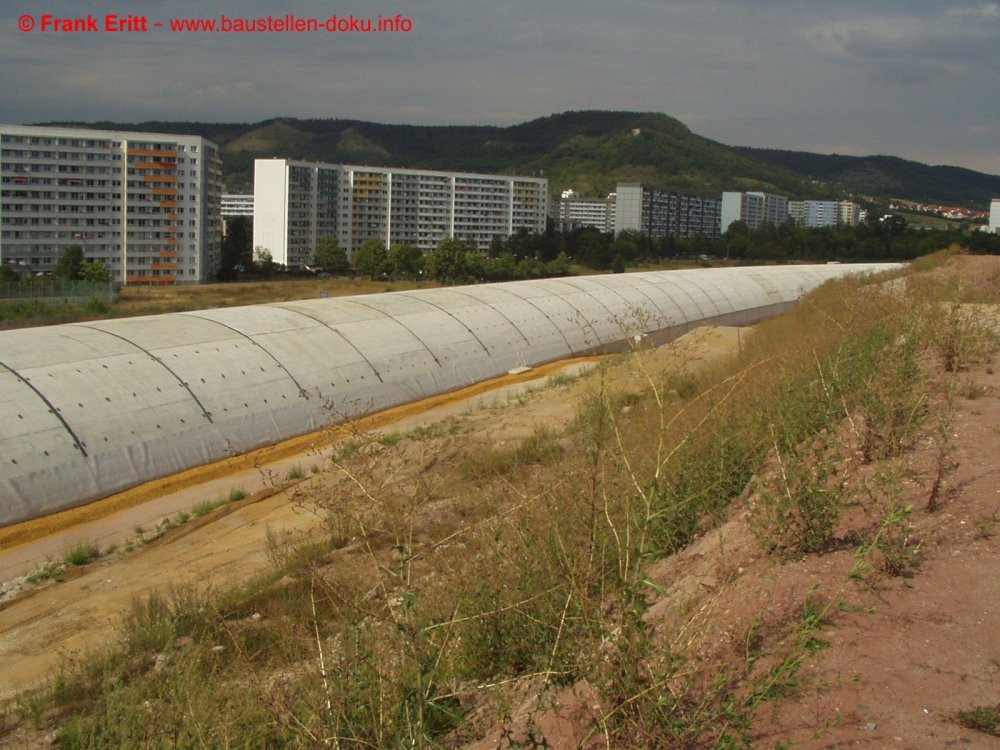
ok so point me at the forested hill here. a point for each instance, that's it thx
(588, 151)
(887, 176)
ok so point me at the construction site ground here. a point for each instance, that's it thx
(904, 653)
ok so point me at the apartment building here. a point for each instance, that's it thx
(296, 203)
(995, 216)
(145, 205)
(814, 213)
(237, 204)
(850, 213)
(658, 212)
(570, 212)
(753, 208)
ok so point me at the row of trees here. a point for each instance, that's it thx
(525, 255)
(71, 266)
(452, 260)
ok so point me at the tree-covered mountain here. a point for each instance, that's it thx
(589, 151)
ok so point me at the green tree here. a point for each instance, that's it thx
(264, 262)
(447, 261)
(371, 259)
(558, 266)
(8, 275)
(624, 248)
(405, 260)
(68, 266)
(618, 264)
(237, 248)
(331, 257)
(497, 247)
(94, 272)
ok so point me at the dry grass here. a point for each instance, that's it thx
(139, 300)
(147, 300)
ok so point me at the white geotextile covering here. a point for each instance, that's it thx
(89, 409)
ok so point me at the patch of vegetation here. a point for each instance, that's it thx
(81, 553)
(541, 447)
(45, 572)
(983, 719)
(236, 494)
(204, 507)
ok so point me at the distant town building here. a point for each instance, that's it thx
(958, 213)
(237, 204)
(850, 213)
(570, 212)
(814, 213)
(995, 216)
(753, 208)
(145, 205)
(297, 202)
(658, 212)
(797, 213)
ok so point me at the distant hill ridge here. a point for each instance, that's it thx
(589, 151)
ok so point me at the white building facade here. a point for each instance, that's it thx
(145, 205)
(753, 208)
(570, 212)
(296, 203)
(995, 216)
(658, 212)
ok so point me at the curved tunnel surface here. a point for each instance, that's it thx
(89, 409)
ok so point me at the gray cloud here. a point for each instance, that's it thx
(907, 77)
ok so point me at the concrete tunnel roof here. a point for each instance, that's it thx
(90, 409)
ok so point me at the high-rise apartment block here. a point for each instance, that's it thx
(145, 205)
(824, 213)
(814, 213)
(570, 212)
(995, 216)
(850, 213)
(658, 212)
(296, 203)
(753, 209)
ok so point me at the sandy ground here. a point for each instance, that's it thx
(61, 618)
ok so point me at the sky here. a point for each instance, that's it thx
(910, 78)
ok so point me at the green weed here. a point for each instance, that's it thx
(236, 494)
(81, 553)
(983, 719)
(203, 508)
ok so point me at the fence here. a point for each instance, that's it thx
(57, 292)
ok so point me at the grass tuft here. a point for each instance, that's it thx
(81, 553)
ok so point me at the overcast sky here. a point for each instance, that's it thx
(914, 78)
